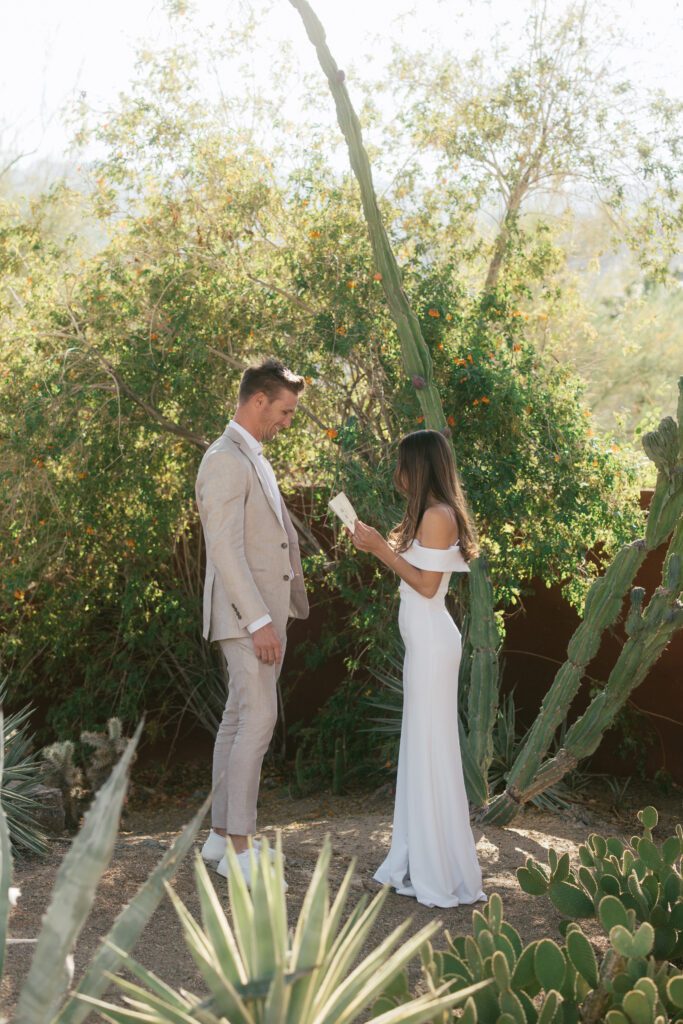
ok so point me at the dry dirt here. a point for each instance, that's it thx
(359, 826)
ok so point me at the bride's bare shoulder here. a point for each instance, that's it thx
(439, 524)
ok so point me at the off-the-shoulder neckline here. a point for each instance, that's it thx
(416, 541)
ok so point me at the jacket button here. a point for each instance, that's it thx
(284, 544)
(286, 576)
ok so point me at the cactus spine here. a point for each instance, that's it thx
(417, 364)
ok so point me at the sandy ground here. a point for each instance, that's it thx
(359, 826)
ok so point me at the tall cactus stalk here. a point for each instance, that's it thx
(648, 634)
(417, 364)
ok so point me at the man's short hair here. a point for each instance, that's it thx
(270, 377)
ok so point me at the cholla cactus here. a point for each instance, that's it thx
(107, 749)
(61, 771)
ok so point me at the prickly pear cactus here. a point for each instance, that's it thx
(548, 983)
(621, 884)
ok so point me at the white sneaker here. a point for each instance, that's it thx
(244, 861)
(213, 849)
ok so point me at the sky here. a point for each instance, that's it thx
(52, 49)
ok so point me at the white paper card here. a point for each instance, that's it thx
(342, 507)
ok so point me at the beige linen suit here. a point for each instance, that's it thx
(253, 568)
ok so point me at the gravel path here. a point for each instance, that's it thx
(359, 826)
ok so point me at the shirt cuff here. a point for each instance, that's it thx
(258, 623)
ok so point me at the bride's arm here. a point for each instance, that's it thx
(437, 527)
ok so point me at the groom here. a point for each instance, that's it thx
(253, 583)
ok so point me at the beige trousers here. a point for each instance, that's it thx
(243, 736)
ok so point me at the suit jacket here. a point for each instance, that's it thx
(248, 551)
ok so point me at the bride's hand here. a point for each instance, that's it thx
(366, 538)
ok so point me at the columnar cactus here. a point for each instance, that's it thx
(648, 633)
(417, 364)
(620, 884)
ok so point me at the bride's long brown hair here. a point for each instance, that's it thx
(426, 470)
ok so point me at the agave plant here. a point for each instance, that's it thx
(22, 773)
(258, 970)
(44, 997)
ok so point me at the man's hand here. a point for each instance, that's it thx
(267, 646)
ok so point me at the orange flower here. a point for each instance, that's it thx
(308, 380)
(451, 421)
(516, 312)
(19, 595)
(469, 358)
(591, 432)
(154, 337)
(475, 402)
(90, 530)
(38, 462)
(440, 346)
(377, 277)
(449, 316)
(420, 419)
(314, 234)
(557, 458)
(341, 330)
(516, 347)
(332, 433)
(129, 542)
(351, 285)
(615, 447)
(485, 400)
(433, 313)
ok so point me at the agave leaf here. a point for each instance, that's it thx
(310, 938)
(5, 860)
(345, 949)
(373, 974)
(217, 927)
(72, 898)
(425, 1008)
(242, 909)
(223, 992)
(130, 923)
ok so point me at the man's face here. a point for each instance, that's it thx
(276, 415)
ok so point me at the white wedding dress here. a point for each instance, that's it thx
(432, 855)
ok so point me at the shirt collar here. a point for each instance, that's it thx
(255, 445)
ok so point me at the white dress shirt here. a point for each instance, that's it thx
(267, 477)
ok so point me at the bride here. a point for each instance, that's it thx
(432, 855)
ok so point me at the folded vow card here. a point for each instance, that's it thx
(342, 507)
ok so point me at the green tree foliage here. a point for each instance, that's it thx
(121, 361)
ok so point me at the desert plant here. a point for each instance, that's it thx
(44, 996)
(544, 982)
(61, 771)
(257, 969)
(107, 748)
(21, 775)
(649, 631)
(639, 877)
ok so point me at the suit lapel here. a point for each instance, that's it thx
(253, 458)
